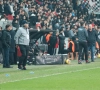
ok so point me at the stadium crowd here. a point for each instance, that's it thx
(68, 18)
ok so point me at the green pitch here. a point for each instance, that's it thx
(52, 77)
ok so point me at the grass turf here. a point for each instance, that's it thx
(52, 77)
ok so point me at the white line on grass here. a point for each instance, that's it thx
(51, 75)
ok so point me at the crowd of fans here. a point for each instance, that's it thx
(63, 16)
(48, 14)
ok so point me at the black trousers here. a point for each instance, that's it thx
(83, 45)
(61, 48)
(50, 49)
(1, 55)
(23, 59)
(6, 57)
(11, 58)
(15, 56)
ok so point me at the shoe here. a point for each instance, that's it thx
(95, 57)
(9, 67)
(87, 61)
(24, 68)
(4, 66)
(92, 61)
(20, 67)
(79, 62)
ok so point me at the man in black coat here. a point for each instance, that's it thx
(92, 38)
(6, 39)
(52, 43)
(82, 37)
(98, 39)
(61, 41)
(12, 47)
(7, 9)
(1, 50)
(1, 8)
(15, 24)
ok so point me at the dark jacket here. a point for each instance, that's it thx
(44, 40)
(82, 34)
(61, 43)
(0, 39)
(12, 47)
(7, 9)
(66, 33)
(92, 37)
(1, 9)
(98, 39)
(76, 42)
(6, 38)
(61, 39)
(53, 40)
(70, 33)
(15, 24)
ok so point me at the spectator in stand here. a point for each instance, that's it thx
(1, 7)
(7, 9)
(22, 16)
(3, 18)
(15, 24)
(71, 33)
(23, 20)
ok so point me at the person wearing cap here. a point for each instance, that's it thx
(22, 41)
(6, 39)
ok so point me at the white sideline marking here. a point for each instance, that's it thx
(51, 75)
